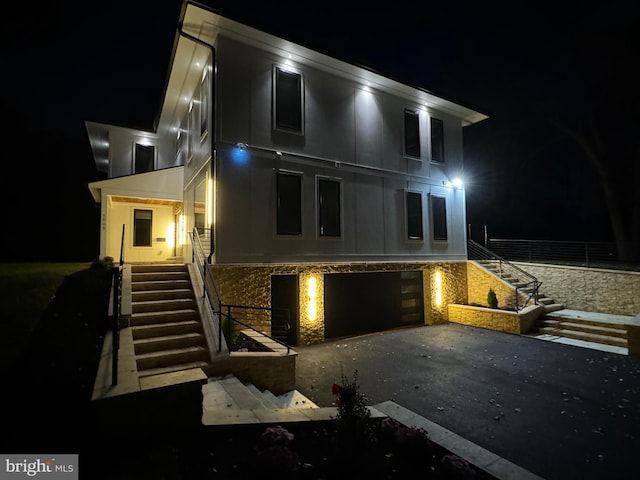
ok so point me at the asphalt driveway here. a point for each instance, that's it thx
(560, 411)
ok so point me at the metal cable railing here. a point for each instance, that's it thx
(522, 281)
(565, 251)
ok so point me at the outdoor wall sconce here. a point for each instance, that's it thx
(241, 145)
(312, 309)
(438, 288)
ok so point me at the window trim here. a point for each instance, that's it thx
(440, 126)
(299, 175)
(408, 237)
(190, 132)
(277, 69)
(319, 226)
(416, 115)
(432, 217)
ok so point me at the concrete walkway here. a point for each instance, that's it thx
(559, 411)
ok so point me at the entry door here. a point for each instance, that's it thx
(284, 305)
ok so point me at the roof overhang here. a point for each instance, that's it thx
(166, 184)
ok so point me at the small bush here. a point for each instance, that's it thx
(492, 299)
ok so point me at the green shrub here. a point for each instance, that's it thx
(492, 300)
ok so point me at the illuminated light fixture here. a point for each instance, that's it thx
(240, 153)
(457, 183)
(171, 235)
(312, 309)
(278, 153)
(241, 145)
(209, 204)
(438, 285)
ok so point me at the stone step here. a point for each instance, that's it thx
(160, 285)
(159, 276)
(169, 328)
(158, 267)
(167, 358)
(150, 318)
(171, 369)
(553, 307)
(171, 304)
(615, 331)
(168, 342)
(166, 294)
(242, 397)
(588, 337)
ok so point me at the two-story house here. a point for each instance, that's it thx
(315, 184)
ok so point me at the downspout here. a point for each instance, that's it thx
(213, 116)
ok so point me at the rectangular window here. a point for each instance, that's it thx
(328, 207)
(437, 140)
(411, 134)
(414, 215)
(144, 158)
(142, 227)
(204, 103)
(289, 204)
(288, 101)
(191, 125)
(439, 216)
(179, 143)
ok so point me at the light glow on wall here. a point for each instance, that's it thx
(209, 203)
(438, 288)
(312, 295)
(171, 235)
(182, 235)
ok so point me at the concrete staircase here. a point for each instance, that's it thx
(586, 326)
(227, 400)
(165, 321)
(512, 277)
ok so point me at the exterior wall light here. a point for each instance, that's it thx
(438, 288)
(457, 183)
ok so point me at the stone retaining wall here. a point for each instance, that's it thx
(496, 319)
(589, 289)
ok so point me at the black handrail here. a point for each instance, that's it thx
(232, 319)
(475, 251)
(210, 291)
(115, 321)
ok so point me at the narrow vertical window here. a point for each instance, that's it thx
(204, 103)
(411, 134)
(437, 140)
(191, 125)
(142, 223)
(144, 158)
(289, 204)
(439, 216)
(328, 207)
(414, 215)
(288, 101)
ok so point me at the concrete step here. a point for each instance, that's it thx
(166, 294)
(265, 400)
(150, 318)
(159, 276)
(588, 337)
(553, 307)
(168, 342)
(170, 328)
(171, 369)
(586, 327)
(160, 285)
(167, 358)
(158, 267)
(171, 304)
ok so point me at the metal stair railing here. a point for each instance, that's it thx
(210, 291)
(526, 283)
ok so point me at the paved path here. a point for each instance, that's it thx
(561, 411)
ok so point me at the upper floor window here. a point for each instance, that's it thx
(142, 227)
(204, 103)
(328, 207)
(411, 134)
(144, 158)
(439, 217)
(414, 215)
(191, 125)
(437, 140)
(288, 101)
(289, 204)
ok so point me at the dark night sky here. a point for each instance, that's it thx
(67, 62)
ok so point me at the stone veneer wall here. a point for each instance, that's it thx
(590, 289)
(480, 281)
(251, 285)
